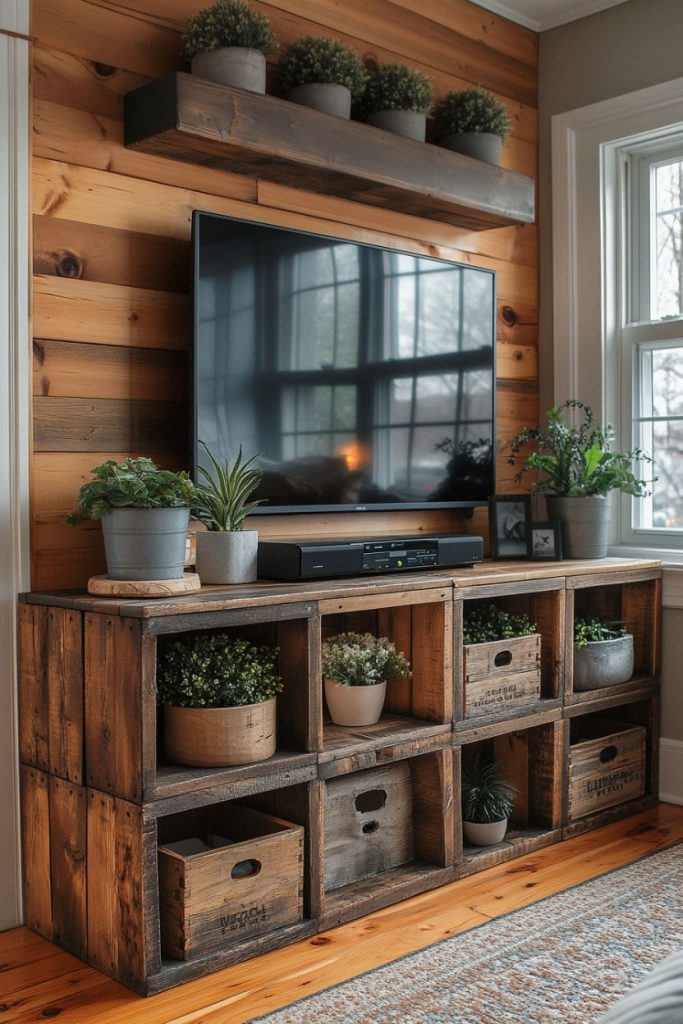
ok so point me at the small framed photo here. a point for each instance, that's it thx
(508, 518)
(544, 542)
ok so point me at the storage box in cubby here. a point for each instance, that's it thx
(226, 874)
(607, 764)
(501, 674)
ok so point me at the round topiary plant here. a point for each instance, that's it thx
(472, 110)
(398, 87)
(316, 60)
(227, 23)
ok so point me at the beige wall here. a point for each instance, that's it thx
(628, 47)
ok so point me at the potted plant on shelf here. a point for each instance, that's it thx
(322, 73)
(227, 43)
(145, 513)
(473, 122)
(219, 695)
(487, 802)
(579, 470)
(398, 99)
(356, 667)
(226, 553)
(603, 654)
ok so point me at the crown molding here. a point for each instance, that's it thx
(580, 10)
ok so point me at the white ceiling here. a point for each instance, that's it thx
(540, 15)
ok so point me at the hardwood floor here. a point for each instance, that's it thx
(38, 981)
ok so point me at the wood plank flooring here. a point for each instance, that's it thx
(39, 982)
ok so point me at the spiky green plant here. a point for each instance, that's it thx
(471, 110)
(319, 60)
(227, 23)
(222, 501)
(133, 483)
(594, 630)
(398, 87)
(486, 795)
(215, 670)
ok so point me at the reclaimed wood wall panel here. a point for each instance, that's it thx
(112, 312)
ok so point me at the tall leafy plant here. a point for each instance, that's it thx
(222, 500)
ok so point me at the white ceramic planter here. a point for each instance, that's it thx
(323, 96)
(354, 705)
(407, 123)
(238, 66)
(478, 833)
(220, 737)
(227, 557)
(481, 145)
(603, 663)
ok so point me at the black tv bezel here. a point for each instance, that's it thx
(411, 506)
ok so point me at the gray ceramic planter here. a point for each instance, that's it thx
(603, 663)
(145, 544)
(584, 524)
(407, 123)
(485, 834)
(238, 66)
(225, 557)
(325, 97)
(481, 145)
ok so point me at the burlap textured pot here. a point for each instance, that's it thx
(584, 524)
(354, 705)
(603, 663)
(408, 123)
(220, 737)
(225, 556)
(238, 66)
(326, 97)
(145, 543)
(480, 833)
(484, 146)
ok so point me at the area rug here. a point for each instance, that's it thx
(566, 958)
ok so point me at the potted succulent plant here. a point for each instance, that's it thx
(398, 99)
(487, 802)
(227, 43)
(226, 553)
(603, 654)
(579, 470)
(145, 513)
(322, 73)
(356, 667)
(219, 696)
(473, 122)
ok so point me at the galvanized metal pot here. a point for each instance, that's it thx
(145, 543)
(584, 525)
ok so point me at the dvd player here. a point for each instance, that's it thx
(308, 559)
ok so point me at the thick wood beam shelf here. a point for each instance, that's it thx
(189, 119)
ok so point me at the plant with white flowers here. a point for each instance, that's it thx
(361, 659)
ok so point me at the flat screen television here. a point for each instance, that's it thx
(362, 377)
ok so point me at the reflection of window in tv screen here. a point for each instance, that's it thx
(360, 376)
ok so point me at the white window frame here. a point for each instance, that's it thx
(588, 266)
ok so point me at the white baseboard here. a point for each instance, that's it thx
(671, 771)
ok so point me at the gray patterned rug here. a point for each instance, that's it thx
(566, 958)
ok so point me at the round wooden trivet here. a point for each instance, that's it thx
(102, 586)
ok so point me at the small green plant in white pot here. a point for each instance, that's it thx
(321, 73)
(398, 99)
(487, 802)
(219, 696)
(226, 553)
(356, 667)
(145, 513)
(473, 122)
(603, 654)
(227, 43)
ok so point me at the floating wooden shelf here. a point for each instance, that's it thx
(189, 119)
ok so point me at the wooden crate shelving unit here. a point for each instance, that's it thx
(98, 796)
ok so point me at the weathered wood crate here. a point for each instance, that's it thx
(607, 763)
(368, 824)
(239, 875)
(501, 674)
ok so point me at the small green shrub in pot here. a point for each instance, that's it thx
(473, 122)
(321, 73)
(487, 802)
(487, 623)
(398, 99)
(145, 513)
(228, 42)
(226, 552)
(219, 695)
(356, 667)
(603, 654)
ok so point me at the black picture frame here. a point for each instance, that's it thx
(508, 518)
(544, 542)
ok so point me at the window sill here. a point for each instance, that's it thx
(672, 563)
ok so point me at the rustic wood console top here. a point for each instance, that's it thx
(99, 798)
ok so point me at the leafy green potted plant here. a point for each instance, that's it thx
(603, 654)
(501, 659)
(145, 512)
(219, 696)
(487, 802)
(473, 122)
(322, 73)
(398, 99)
(578, 470)
(227, 43)
(356, 667)
(226, 553)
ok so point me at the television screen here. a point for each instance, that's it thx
(361, 377)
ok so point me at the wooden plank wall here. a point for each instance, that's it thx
(111, 310)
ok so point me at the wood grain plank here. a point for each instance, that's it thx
(98, 425)
(58, 477)
(68, 865)
(103, 950)
(35, 822)
(65, 695)
(34, 742)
